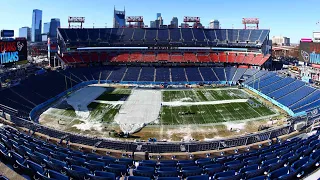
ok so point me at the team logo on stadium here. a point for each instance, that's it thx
(20, 46)
(305, 55)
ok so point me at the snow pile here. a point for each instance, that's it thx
(235, 125)
(82, 98)
(89, 125)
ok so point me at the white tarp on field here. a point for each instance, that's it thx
(142, 107)
(82, 98)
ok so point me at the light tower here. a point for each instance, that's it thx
(246, 21)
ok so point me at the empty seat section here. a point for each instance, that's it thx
(86, 57)
(103, 57)
(193, 74)
(68, 58)
(239, 73)
(117, 73)
(248, 59)
(138, 35)
(286, 89)
(277, 85)
(260, 83)
(309, 106)
(77, 57)
(112, 57)
(94, 35)
(163, 57)
(257, 59)
(203, 57)
(243, 35)
(208, 74)
(298, 94)
(264, 59)
(222, 57)
(199, 36)
(162, 74)
(239, 58)
(147, 74)
(187, 35)
(220, 73)
(309, 99)
(230, 71)
(178, 74)
(175, 35)
(136, 57)
(149, 57)
(231, 57)
(214, 57)
(190, 57)
(256, 75)
(132, 74)
(95, 57)
(163, 36)
(123, 57)
(151, 35)
(127, 35)
(176, 57)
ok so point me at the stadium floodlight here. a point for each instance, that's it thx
(247, 21)
(80, 20)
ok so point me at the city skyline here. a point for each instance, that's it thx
(295, 20)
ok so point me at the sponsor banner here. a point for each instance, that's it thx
(76, 19)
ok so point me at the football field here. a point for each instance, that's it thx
(222, 109)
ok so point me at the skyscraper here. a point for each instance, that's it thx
(158, 15)
(152, 24)
(174, 22)
(54, 25)
(119, 18)
(214, 24)
(46, 27)
(36, 25)
(25, 32)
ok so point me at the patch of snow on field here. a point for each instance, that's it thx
(186, 99)
(89, 125)
(82, 98)
(234, 125)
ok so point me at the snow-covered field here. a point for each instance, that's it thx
(82, 98)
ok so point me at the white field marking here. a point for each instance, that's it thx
(82, 98)
(108, 102)
(179, 103)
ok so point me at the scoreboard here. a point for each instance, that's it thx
(12, 51)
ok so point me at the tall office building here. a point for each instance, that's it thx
(174, 22)
(158, 15)
(25, 32)
(119, 18)
(159, 22)
(214, 24)
(54, 25)
(46, 27)
(152, 24)
(36, 25)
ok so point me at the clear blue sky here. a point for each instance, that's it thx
(291, 18)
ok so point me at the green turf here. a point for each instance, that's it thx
(202, 114)
(203, 95)
(103, 112)
(115, 94)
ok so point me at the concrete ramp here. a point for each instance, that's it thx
(141, 108)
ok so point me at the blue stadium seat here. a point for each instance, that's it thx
(200, 177)
(76, 172)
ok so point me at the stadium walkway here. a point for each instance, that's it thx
(9, 173)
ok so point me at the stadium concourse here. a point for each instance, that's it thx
(165, 57)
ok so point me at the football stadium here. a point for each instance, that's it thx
(165, 103)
